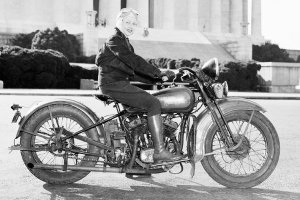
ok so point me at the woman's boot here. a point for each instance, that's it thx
(160, 153)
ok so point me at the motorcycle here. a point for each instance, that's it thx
(62, 141)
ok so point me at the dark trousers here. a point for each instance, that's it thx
(133, 96)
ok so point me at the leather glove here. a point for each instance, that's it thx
(167, 75)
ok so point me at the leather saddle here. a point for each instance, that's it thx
(108, 100)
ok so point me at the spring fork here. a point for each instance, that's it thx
(229, 140)
(226, 125)
(210, 104)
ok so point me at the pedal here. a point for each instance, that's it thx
(14, 147)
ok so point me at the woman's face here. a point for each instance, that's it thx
(129, 24)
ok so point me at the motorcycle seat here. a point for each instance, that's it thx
(105, 98)
(108, 99)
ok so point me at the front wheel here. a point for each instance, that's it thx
(254, 160)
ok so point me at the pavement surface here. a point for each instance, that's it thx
(16, 182)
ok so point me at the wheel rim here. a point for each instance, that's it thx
(249, 158)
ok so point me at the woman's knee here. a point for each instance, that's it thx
(154, 108)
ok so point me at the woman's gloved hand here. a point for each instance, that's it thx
(167, 75)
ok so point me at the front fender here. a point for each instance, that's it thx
(204, 119)
(43, 104)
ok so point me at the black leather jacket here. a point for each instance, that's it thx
(118, 62)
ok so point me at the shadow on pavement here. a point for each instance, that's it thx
(162, 191)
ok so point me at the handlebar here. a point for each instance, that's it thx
(187, 69)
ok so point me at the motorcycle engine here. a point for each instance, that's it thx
(117, 139)
(119, 144)
(135, 124)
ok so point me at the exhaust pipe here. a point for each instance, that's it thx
(75, 168)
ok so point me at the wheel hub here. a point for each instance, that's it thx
(57, 146)
(242, 151)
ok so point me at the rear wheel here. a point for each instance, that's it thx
(45, 125)
(253, 161)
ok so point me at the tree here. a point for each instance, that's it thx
(270, 53)
(23, 40)
(57, 40)
(32, 68)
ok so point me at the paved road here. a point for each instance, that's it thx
(17, 183)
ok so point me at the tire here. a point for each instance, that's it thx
(40, 123)
(249, 165)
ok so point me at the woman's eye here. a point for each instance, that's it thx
(131, 23)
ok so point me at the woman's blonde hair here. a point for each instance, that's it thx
(126, 11)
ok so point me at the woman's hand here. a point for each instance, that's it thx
(167, 75)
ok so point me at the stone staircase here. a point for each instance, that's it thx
(172, 44)
(178, 50)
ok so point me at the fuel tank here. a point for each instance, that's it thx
(178, 99)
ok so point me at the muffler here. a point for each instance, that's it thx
(94, 169)
(75, 168)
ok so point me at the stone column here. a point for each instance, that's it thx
(90, 37)
(256, 18)
(245, 18)
(86, 5)
(193, 14)
(236, 16)
(109, 10)
(169, 14)
(215, 16)
(142, 6)
(158, 11)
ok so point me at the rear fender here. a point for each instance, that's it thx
(69, 102)
(204, 119)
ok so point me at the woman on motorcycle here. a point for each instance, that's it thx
(118, 64)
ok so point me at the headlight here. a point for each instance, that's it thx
(211, 68)
(220, 90)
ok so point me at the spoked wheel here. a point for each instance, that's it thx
(255, 158)
(41, 137)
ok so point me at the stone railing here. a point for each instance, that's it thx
(278, 77)
(281, 77)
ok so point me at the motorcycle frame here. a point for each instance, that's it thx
(210, 103)
(119, 116)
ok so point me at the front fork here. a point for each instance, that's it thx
(225, 131)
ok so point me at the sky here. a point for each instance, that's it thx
(281, 22)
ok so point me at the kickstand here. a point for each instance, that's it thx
(193, 161)
(193, 167)
(65, 161)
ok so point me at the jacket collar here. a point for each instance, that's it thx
(119, 33)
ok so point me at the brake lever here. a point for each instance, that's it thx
(186, 74)
(188, 77)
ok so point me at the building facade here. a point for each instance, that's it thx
(167, 28)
